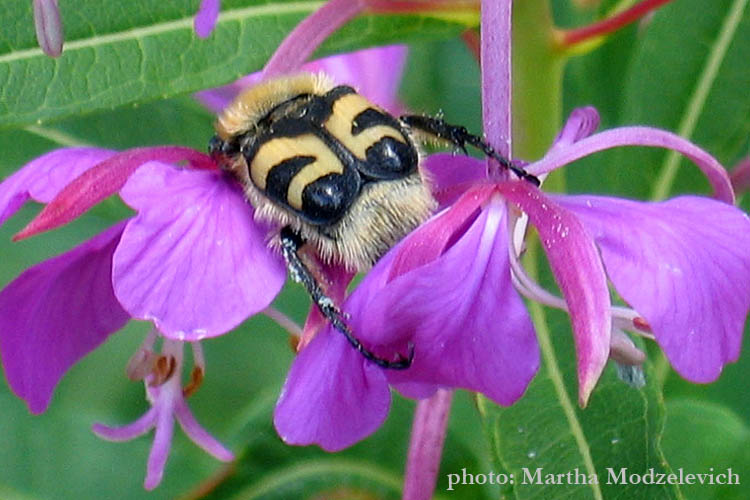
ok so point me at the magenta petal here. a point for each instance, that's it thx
(42, 178)
(468, 324)
(580, 274)
(205, 19)
(451, 175)
(639, 136)
(103, 180)
(430, 240)
(309, 34)
(375, 73)
(581, 123)
(684, 265)
(55, 313)
(331, 397)
(193, 260)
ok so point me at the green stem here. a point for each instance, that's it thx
(537, 83)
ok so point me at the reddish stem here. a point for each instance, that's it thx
(605, 26)
(471, 39)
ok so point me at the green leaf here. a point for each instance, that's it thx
(684, 70)
(373, 469)
(147, 50)
(717, 439)
(690, 76)
(554, 449)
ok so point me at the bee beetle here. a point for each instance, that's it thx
(333, 171)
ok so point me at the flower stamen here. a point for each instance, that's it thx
(143, 361)
(623, 350)
(163, 370)
(196, 379)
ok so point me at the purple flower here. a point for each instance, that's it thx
(167, 397)
(376, 72)
(193, 233)
(193, 261)
(453, 324)
(446, 288)
(677, 263)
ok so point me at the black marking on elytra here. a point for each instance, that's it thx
(327, 199)
(371, 117)
(281, 174)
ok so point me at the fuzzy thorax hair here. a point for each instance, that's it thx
(253, 104)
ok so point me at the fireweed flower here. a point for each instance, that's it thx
(448, 287)
(167, 397)
(192, 261)
(376, 71)
(679, 264)
(145, 268)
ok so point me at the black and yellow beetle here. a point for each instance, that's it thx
(333, 171)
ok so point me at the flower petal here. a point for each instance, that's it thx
(375, 72)
(42, 178)
(579, 272)
(639, 136)
(581, 123)
(103, 180)
(431, 239)
(451, 307)
(451, 175)
(331, 397)
(205, 19)
(193, 260)
(55, 313)
(305, 38)
(684, 265)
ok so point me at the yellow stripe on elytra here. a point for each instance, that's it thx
(280, 149)
(339, 124)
